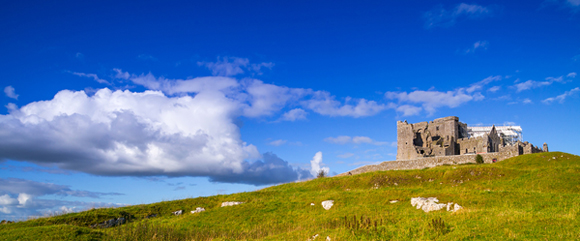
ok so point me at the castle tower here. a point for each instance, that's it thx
(545, 147)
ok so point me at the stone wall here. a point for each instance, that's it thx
(424, 162)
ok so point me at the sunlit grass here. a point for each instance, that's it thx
(529, 197)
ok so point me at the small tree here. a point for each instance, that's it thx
(479, 159)
(321, 174)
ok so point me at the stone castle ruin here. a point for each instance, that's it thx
(449, 137)
(446, 141)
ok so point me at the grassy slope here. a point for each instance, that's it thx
(526, 197)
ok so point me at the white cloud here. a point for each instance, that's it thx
(494, 89)
(20, 198)
(479, 85)
(9, 91)
(477, 45)
(431, 100)
(338, 140)
(180, 127)
(562, 97)
(316, 165)
(140, 134)
(92, 76)
(341, 140)
(531, 84)
(409, 110)
(345, 155)
(277, 142)
(527, 101)
(325, 104)
(7, 200)
(294, 114)
(440, 17)
(231, 66)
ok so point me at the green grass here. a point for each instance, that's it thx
(530, 197)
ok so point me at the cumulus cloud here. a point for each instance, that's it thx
(441, 17)
(316, 165)
(138, 134)
(179, 127)
(19, 198)
(231, 66)
(562, 97)
(354, 140)
(10, 93)
(92, 76)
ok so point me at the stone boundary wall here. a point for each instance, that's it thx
(424, 162)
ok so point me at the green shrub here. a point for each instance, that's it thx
(479, 159)
(321, 174)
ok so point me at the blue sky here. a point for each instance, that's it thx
(115, 103)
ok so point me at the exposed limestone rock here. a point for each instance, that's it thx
(312, 204)
(225, 204)
(327, 238)
(327, 204)
(178, 212)
(109, 223)
(394, 201)
(198, 210)
(313, 237)
(431, 204)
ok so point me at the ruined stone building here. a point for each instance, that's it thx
(449, 137)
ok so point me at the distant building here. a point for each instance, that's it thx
(448, 137)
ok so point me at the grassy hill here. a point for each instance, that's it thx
(528, 197)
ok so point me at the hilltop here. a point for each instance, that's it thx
(534, 196)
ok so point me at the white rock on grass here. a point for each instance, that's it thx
(327, 204)
(394, 201)
(178, 212)
(225, 204)
(313, 237)
(198, 210)
(312, 204)
(431, 204)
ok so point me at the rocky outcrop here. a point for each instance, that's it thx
(225, 204)
(431, 204)
(178, 212)
(110, 223)
(198, 210)
(327, 204)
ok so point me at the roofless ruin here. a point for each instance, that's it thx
(449, 137)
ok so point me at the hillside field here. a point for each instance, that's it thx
(529, 197)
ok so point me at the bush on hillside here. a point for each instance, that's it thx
(321, 174)
(479, 159)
